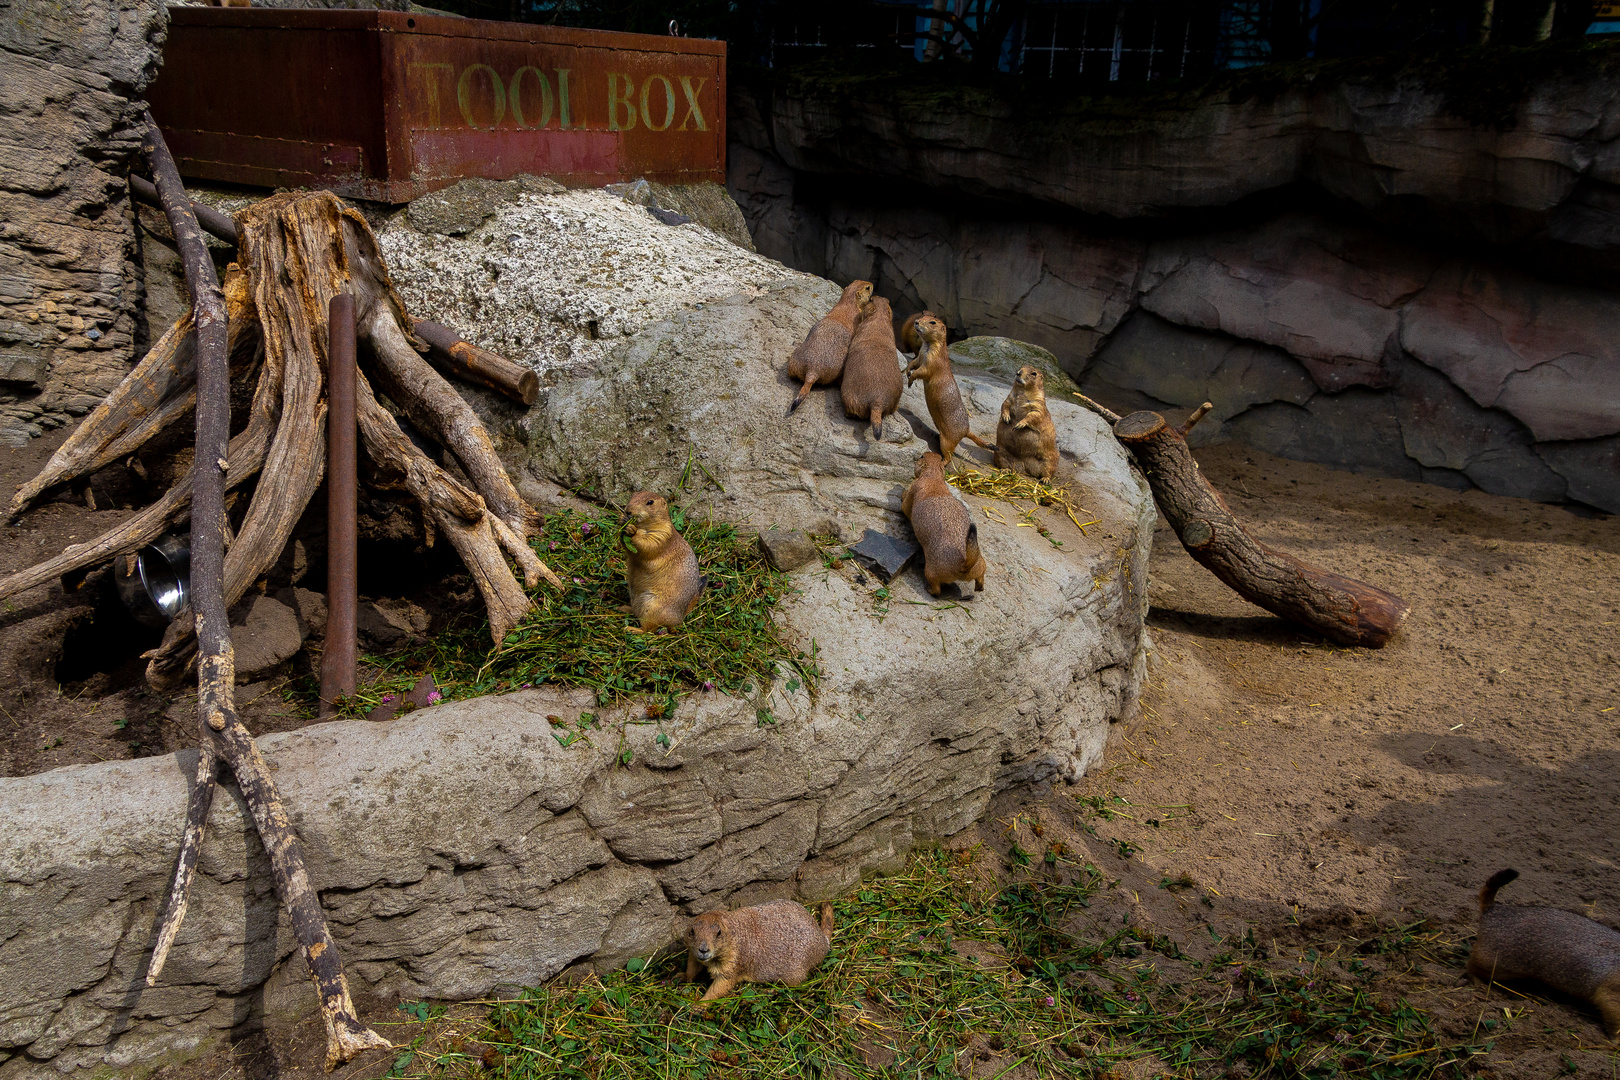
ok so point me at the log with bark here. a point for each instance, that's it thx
(297, 250)
(1341, 609)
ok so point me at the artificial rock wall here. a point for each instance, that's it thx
(69, 128)
(1403, 272)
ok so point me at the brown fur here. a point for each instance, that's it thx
(949, 538)
(663, 569)
(1026, 441)
(820, 357)
(778, 941)
(872, 384)
(1566, 951)
(933, 367)
(910, 342)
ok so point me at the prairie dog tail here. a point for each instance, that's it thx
(804, 392)
(1487, 894)
(981, 442)
(877, 423)
(971, 548)
(827, 922)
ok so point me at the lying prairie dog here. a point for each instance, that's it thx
(778, 941)
(1568, 952)
(662, 568)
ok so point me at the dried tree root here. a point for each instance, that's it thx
(1339, 608)
(430, 402)
(291, 274)
(245, 456)
(216, 678)
(454, 511)
(154, 396)
(197, 807)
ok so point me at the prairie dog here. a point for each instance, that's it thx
(1026, 441)
(949, 538)
(662, 568)
(1568, 952)
(778, 941)
(820, 357)
(872, 384)
(933, 366)
(909, 341)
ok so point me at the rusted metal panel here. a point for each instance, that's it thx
(385, 105)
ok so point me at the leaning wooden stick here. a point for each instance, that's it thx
(185, 867)
(216, 674)
(1341, 609)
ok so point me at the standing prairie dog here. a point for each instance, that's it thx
(1568, 952)
(949, 538)
(777, 941)
(910, 343)
(820, 357)
(1026, 441)
(663, 569)
(872, 384)
(933, 367)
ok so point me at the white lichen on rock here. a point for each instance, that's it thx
(553, 280)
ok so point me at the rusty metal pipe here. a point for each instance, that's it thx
(449, 351)
(212, 221)
(338, 658)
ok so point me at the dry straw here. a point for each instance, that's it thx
(1014, 487)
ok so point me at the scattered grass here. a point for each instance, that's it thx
(580, 638)
(1014, 487)
(940, 971)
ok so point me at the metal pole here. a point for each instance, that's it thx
(338, 657)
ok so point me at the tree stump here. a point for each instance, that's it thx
(295, 251)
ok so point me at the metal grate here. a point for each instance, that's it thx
(1118, 42)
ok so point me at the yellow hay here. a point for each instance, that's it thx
(1011, 487)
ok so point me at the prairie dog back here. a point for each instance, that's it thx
(1568, 952)
(872, 383)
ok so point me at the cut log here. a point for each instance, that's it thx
(1341, 609)
(447, 349)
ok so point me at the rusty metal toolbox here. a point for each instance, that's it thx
(389, 106)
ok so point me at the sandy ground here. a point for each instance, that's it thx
(1314, 792)
(1306, 789)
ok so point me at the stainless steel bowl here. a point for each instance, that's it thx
(156, 583)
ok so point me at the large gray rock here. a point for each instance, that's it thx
(1001, 357)
(69, 115)
(628, 424)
